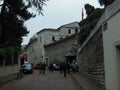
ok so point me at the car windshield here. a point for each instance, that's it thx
(27, 65)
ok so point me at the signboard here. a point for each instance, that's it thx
(25, 57)
(105, 26)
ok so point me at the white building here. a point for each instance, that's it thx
(31, 50)
(111, 41)
(47, 36)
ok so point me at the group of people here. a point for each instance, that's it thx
(67, 67)
(64, 67)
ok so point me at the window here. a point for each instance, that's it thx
(117, 57)
(76, 30)
(40, 39)
(53, 38)
(69, 31)
(47, 62)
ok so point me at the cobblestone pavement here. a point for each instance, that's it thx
(36, 81)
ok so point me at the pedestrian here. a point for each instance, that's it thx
(40, 68)
(43, 67)
(68, 67)
(51, 67)
(61, 68)
(74, 66)
(65, 69)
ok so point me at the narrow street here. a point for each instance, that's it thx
(49, 81)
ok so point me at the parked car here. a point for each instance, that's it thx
(36, 66)
(27, 68)
(56, 67)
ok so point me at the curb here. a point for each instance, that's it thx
(6, 79)
(76, 82)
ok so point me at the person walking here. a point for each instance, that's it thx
(61, 68)
(43, 68)
(68, 67)
(65, 69)
(51, 67)
(40, 68)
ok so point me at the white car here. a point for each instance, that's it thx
(27, 68)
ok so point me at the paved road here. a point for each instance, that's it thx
(36, 81)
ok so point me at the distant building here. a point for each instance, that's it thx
(56, 52)
(32, 50)
(47, 36)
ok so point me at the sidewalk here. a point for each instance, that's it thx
(84, 83)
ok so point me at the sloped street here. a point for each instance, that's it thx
(37, 81)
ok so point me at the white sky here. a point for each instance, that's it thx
(57, 13)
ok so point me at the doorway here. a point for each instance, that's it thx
(118, 64)
(47, 61)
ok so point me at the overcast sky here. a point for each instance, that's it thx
(57, 13)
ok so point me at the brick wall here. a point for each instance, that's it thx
(91, 60)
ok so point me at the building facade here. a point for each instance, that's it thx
(56, 52)
(111, 41)
(47, 36)
(31, 50)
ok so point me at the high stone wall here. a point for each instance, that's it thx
(91, 59)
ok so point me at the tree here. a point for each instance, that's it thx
(13, 14)
(38, 4)
(105, 2)
(12, 21)
(89, 9)
(93, 15)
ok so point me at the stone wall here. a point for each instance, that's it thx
(8, 78)
(91, 60)
(8, 73)
(56, 52)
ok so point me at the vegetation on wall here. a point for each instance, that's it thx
(93, 15)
